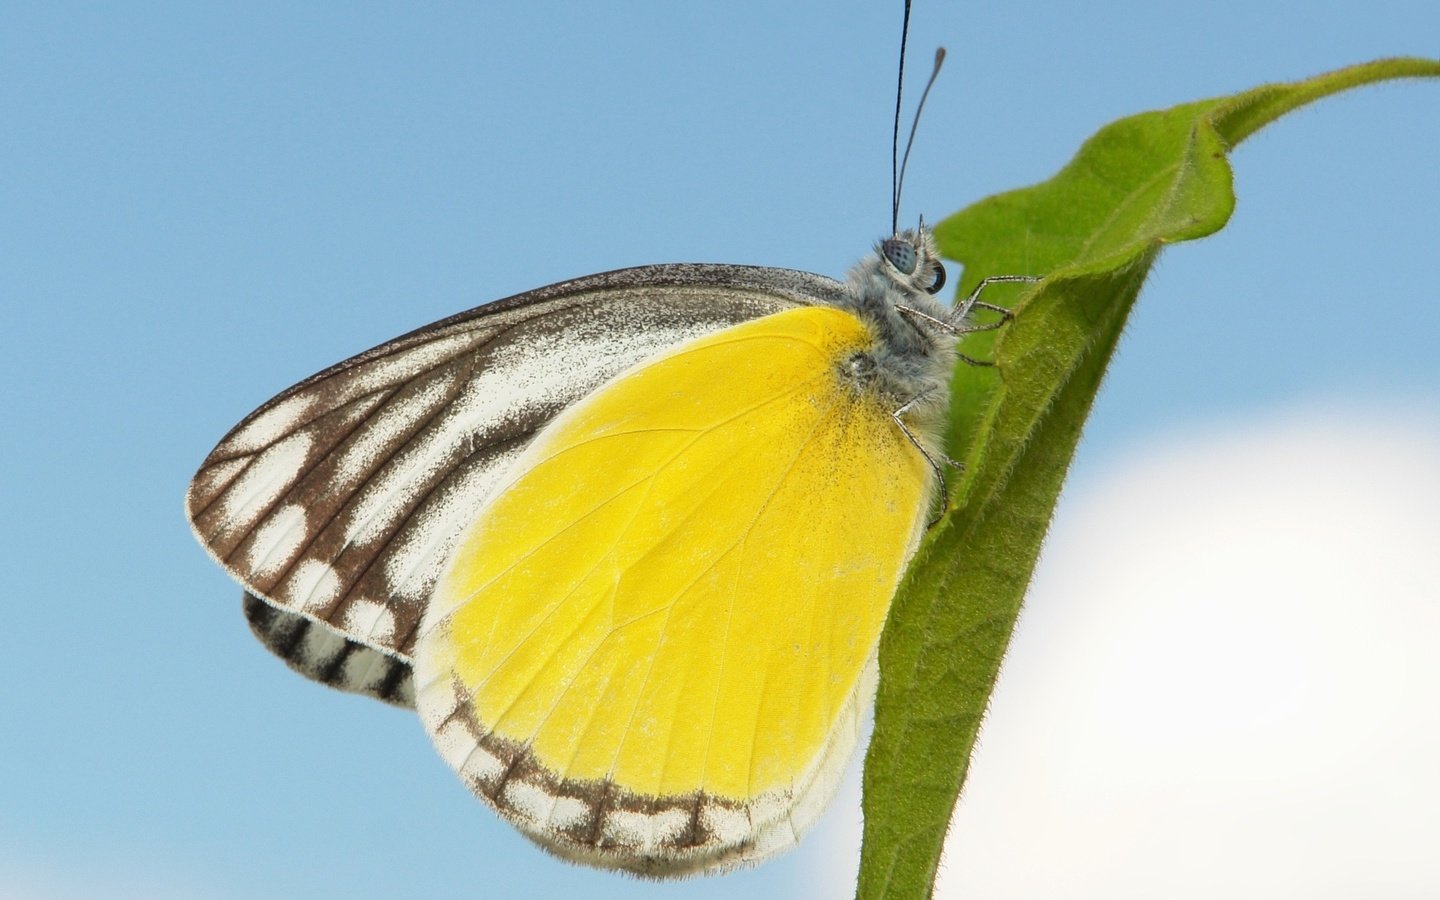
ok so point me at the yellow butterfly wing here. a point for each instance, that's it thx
(647, 649)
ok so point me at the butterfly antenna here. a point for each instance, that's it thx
(895, 133)
(900, 179)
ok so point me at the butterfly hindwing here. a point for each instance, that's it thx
(648, 649)
(336, 504)
(320, 652)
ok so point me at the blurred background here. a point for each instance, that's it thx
(1224, 681)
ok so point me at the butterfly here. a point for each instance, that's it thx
(626, 543)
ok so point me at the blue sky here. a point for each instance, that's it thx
(203, 203)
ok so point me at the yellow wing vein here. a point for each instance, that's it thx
(580, 519)
(495, 621)
(725, 643)
(829, 633)
(590, 713)
(668, 609)
(799, 696)
(830, 711)
(558, 646)
(648, 481)
(740, 545)
(614, 631)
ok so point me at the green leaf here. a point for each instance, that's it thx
(1093, 231)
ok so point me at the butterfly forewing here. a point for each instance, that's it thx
(336, 504)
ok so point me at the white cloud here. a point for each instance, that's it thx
(1226, 681)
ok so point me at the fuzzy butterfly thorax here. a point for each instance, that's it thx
(915, 332)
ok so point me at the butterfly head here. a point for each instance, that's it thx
(912, 261)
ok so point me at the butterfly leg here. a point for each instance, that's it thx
(960, 327)
(935, 464)
(956, 323)
(973, 301)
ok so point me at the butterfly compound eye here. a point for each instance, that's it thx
(939, 281)
(901, 255)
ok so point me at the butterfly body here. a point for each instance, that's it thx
(627, 543)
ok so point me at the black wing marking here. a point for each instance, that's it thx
(322, 653)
